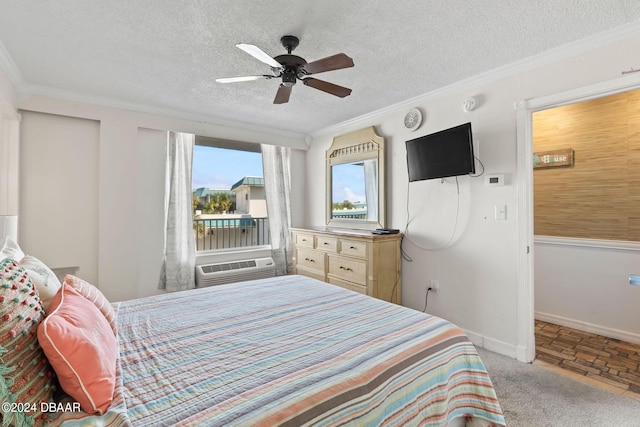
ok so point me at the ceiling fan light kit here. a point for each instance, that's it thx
(291, 68)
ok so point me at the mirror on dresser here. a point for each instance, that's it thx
(355, 181)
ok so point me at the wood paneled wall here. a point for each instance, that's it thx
(599, 196)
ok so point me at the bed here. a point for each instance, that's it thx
(290, 351)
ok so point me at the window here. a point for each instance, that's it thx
(224, 174)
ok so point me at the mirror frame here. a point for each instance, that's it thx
(363, 144)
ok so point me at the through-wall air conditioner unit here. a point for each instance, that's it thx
(235, 271)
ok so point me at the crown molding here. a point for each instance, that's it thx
(523, 65)
(27, 90)
(10, 68)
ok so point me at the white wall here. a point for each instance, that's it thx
(59, 191)
(130, 186)
(7, 91)
(150, 180)
(587, 287)
(478, 273)
(298, 167)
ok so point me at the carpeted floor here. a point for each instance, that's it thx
(534, 396)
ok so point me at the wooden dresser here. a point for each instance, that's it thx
(356, 260)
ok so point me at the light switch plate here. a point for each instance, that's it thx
(500, 212)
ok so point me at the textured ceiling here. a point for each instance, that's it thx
(164, 55)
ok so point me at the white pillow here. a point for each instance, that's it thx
(43, 278)
(10, 249)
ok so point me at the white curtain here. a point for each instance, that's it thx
(277, 184)
(371, 188)
(178, 264)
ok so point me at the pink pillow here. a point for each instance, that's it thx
(94, 295)
(82, 349)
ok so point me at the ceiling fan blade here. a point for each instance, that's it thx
(327, 87)
(283, 94)
(241, 79)
(259, 54)
(335, 62)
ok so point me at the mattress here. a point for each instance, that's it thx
(291, 351)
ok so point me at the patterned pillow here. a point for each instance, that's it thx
(45, 280)
(25, 374)
(94, 295)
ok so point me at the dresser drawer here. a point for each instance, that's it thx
(329, 244)
(349, 269)
(311, 260)
(304, 240)
(353, 248)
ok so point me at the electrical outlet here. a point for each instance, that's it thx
(435, 286)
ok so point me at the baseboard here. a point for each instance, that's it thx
(475, 339)
(630, 337)
(525, 354)
(491, 344)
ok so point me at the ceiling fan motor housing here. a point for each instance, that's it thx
(291, 68)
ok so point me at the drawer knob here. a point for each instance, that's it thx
(345, 268)
(352, 247)
(310, 260)
(325, 243)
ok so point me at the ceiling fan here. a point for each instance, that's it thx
(291, 68)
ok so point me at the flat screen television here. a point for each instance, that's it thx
(441, 154)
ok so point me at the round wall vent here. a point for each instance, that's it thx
(413, 119)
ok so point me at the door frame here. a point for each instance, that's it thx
(525, 346)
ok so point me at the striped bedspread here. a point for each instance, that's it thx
(292, 351)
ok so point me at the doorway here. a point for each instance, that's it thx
(525, 350)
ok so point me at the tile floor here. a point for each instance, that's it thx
(601, 361)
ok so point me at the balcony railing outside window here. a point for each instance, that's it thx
(342, 215)
(212, 234)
